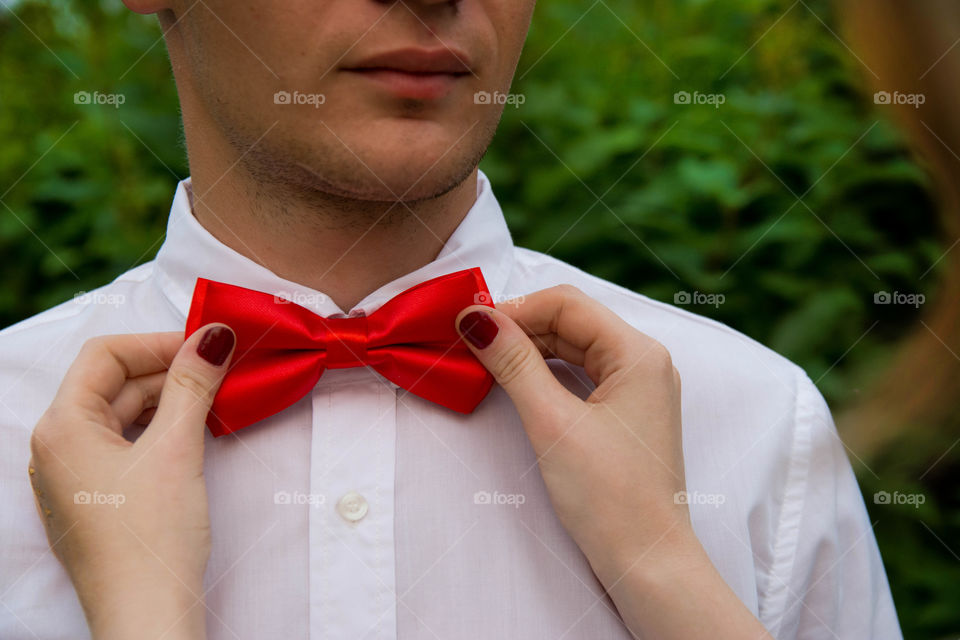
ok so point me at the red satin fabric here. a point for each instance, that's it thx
(283, 349)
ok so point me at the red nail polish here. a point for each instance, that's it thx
(479, 328)
(215, 345)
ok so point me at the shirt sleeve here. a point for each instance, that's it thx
(827, 578)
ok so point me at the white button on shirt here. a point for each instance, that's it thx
(352, 507)
(364, 512)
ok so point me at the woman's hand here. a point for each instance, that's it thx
(129, 521)
(612, 464)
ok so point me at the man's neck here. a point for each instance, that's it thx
(345, 249)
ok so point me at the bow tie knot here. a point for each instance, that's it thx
(345, 342)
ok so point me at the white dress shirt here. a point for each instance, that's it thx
(365, 512)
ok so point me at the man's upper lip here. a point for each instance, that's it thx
(414, 60)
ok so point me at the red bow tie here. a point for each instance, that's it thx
(283, 349)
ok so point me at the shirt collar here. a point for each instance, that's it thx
(190, 251)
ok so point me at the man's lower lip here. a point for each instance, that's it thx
(415, 86)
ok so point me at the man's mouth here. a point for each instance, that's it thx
(417, 74)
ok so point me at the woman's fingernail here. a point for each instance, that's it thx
(479, 328)
(216, 344)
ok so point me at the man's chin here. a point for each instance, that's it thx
(390, 173)
(405, 190)
(391, 182)
(369, 163)
(410, 159)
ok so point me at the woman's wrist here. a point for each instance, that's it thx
(645, 561)
(672, 590)
(147, 606)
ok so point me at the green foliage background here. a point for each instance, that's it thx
(795, 198)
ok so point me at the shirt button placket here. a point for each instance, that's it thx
(352, 553)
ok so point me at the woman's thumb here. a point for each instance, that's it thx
(514, 361)
(192, 381)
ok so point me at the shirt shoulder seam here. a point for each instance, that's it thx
(639, 297)
(773, 609)
(65, 310)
